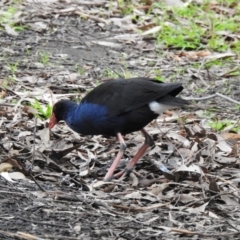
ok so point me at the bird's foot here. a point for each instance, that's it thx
(121, 175)
(124, 173)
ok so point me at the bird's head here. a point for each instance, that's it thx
(59, 112)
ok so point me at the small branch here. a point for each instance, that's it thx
(140, 209)
(21, 235)
(199, 75)
(184, 231)
(33, 155)
(94, 18)
(34, 138)
(212, 96)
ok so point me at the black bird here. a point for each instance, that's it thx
(118, 107)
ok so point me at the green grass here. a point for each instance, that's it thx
(237, 107)
(7, 17)
(79, 69)
(160, 78)
(197, 27)
(11, 76)
(44, 112)
(110, 74)
(188, 37)
(125, 7)
(192, 27)
(13, 68)
(218, 125)
(44, 57)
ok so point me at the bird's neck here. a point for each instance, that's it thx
(71, 113)
(84, 117)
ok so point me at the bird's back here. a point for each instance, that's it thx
(123, 95)
(123, 105)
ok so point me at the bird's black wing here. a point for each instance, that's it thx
(124, 95)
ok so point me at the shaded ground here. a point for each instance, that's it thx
(62, 55)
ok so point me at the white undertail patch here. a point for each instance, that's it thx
(159, 108)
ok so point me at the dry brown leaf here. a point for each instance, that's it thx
(178, 137)
(5, 167)
(212, 215)
(84, 173)
(3, 94)
(39, 26)
(108, 44)
(24, 134)
(158, 189)
(192, 168)
(133, 195)
(195, 131)
(216, 56)
(230, 201)
(224, 160)
(10, 30)
(152, 30)
(213, 185)
(222, 145)
(6, 176)
(197, 210)
(147, 26)
(235, 150)
(16, 175)
(99, 184)
(230, 136)
(194, 54)
(13, 162)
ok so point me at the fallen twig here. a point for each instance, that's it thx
(212, 96)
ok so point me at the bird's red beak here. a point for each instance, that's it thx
(52, 121)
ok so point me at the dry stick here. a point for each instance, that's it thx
(47, 223)
(230, 71)
(224, 180)
(33, 155)
(134, 179)
(188, 160)
(34, 138)
(232, 226)
(21, 235)
(184, 231)
(141, 209)
(60, 237)
(212, 96)
(13, 193)
(208, 198)
(200, 68)
(28, 236)
(94, 18)
(199, 75)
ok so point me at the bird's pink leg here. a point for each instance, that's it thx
(148, 143)
(116, 161)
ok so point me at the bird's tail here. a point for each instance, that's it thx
(173, 101)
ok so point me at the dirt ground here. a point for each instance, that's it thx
(62, 196)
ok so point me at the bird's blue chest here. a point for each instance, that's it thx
(92, 119)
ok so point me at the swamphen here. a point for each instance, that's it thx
(118, 107)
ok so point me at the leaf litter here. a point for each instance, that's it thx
(51, 183)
